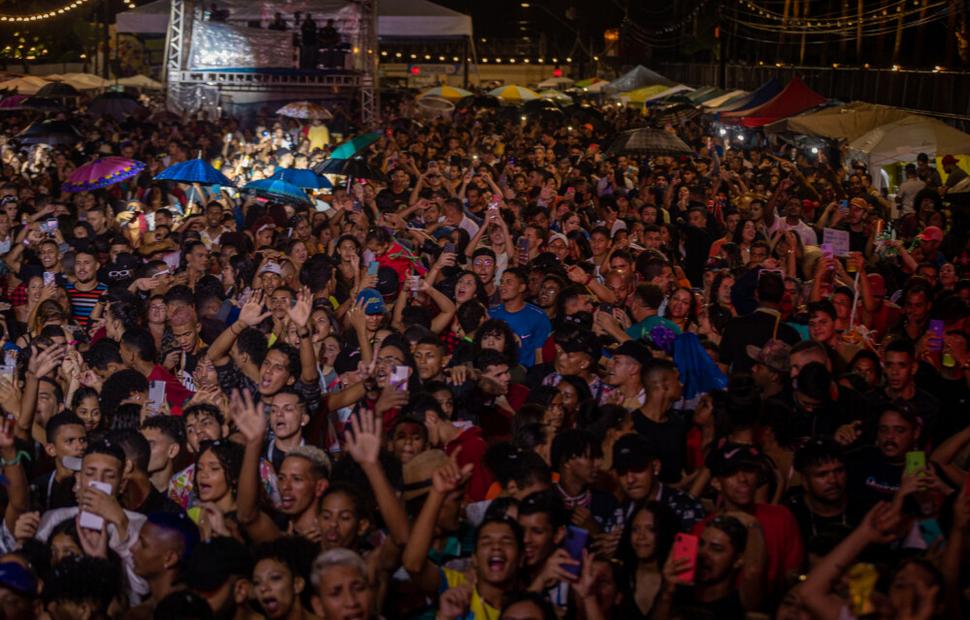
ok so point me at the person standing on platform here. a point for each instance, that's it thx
(308, 41)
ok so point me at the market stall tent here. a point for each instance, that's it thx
(906, 138)
(635, 78)
(724, 98)
(840, 122)
(795, 97)
(763, 93)
(25, 85)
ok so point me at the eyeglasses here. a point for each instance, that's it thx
(390, 361)
(483, 261)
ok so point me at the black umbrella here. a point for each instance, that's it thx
(49, 132)
(44, 104)
(675, 113)
(541, 104)
(479, 101)
(648, 141)
(356, 168)
(115, 104)
(58, 89)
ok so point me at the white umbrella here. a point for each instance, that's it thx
(81, 81)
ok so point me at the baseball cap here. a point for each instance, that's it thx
(347, 360)
(637, 350)
(418, 471)
(731, 457)
(557, 235)
(271, 268)
(774, 354)
(859, 203)
(213, 563)
(632, 453)
(15, 577)
(931, 233)
(122, 270)
(373, 301)
(949, 159)
(388, 282)
(877, 285)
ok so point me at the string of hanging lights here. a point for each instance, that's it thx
(45, 15)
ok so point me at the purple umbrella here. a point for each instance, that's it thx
(102, 173)
(12, 102)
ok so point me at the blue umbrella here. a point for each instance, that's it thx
(697, 370)
(194, 171)
(301, 177)
(277, 190)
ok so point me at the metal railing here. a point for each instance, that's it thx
(941, 93)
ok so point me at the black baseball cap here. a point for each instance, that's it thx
(213, 563)
(732, 457)
(632, 453)
(637, 350)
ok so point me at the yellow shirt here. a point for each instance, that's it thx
(319, 136)
(478, 609)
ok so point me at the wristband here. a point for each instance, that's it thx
(21, 455)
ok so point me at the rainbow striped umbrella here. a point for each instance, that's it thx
(102, 173)
(514, 93)
(451, 93)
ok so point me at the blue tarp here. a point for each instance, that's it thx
(765, 92)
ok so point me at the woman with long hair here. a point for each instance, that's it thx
(682, 309)
(644, 546)
(744, 235)
(720, 308)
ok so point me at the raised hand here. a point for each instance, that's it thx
(450, 476)
(26, 526)
(42, 362)
(390, 398)
(252, 311)
(363, 440)
(454, 603)
(212, 523)
(300, 312)
(250, 422)
(9, 397)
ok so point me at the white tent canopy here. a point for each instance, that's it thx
(904, 139)
(80, 81)
(25, 85)
(141, 81)
(396, 18)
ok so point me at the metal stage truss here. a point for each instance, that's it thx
(184, 85)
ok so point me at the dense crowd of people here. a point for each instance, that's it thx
(507, 374)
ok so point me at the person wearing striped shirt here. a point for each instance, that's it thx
(84, 290)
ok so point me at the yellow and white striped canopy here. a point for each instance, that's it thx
(451, 93)
(514, 94)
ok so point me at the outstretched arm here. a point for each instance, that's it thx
(252, 425)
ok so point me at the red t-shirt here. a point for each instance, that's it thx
(176, 394)
(472, 451)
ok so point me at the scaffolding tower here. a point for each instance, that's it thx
(183, 83)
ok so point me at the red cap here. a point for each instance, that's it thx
(949, 159)
(931, 233)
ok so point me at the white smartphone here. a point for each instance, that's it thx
(400, 376)
(89, 520)
(48, 278)
(156, 397)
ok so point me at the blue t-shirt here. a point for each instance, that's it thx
(530, 324)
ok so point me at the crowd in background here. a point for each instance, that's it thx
(505, 374)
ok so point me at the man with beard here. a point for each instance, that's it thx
(875, 472)
(821, 506)
(85, 291)
(728, 579)
(219, 571)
